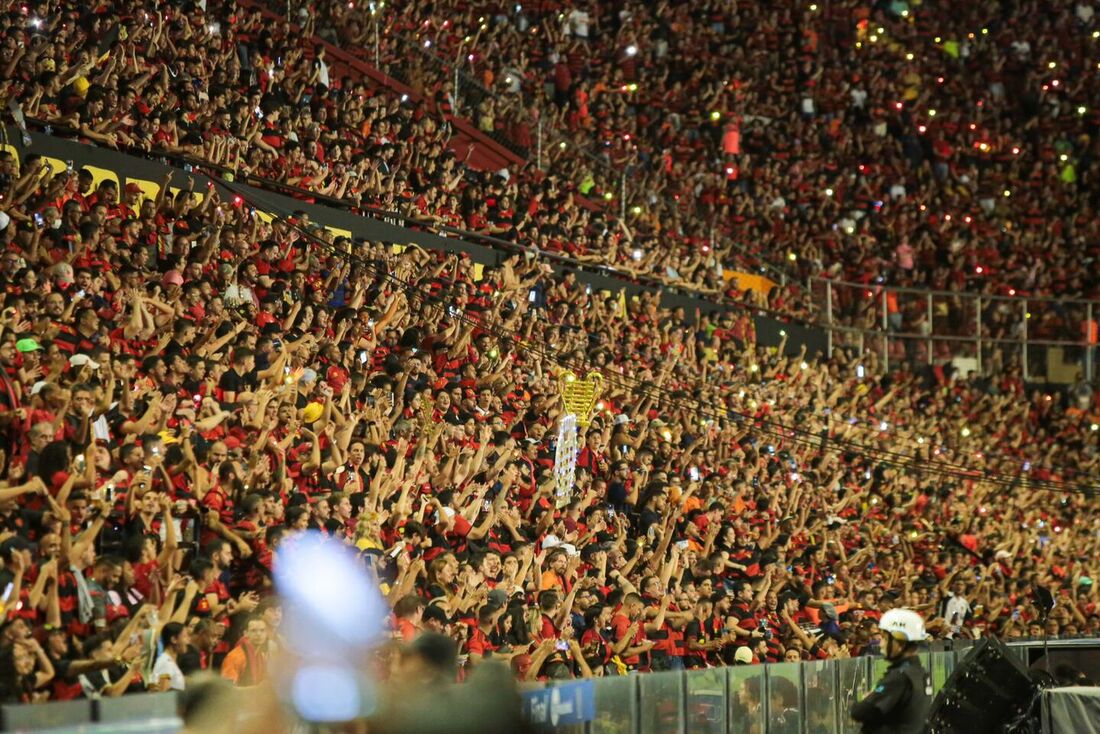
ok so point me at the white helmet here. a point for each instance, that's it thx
(904, 625)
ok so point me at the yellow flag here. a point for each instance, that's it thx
(622, 303)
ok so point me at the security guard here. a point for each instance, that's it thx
(899, 703)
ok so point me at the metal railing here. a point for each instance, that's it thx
(793, 698)
(892, 321)
(1052, 340)
(552, 147)
(140, 713)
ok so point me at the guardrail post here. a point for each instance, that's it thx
(803, 719)
(622, 195)
(838, 699)
(457, 105)
(765, 694)
(377, 51)
(636, 709)
(885, 332)
(727, 700)
(931, 329)
(1089, 346)
(979, 319)
(829, 318)
(861, 340)
(685, 713)
(1023, 339)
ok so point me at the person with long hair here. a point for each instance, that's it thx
(25, 670)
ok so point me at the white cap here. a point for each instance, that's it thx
(5, 220)
(551, 541)
(79, 360)
(37, 387)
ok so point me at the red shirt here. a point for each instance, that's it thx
(620, 623)
(479, 642)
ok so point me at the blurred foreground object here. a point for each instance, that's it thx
(333, 617)
(421, 699)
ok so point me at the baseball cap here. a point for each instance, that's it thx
(79, 360)
(37, 387)
(172, 277)
(5, 220)
(133, 188)
(743, 656)
(27, 345)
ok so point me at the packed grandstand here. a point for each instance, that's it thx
(191, 382)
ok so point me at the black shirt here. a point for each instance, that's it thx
(235, 383)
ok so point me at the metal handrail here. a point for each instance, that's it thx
(561, 260)
(979, 301)
(612, 176)
(495, 243)
(949, 294)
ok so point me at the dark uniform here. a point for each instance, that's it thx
(898, 704)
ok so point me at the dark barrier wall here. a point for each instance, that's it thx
(769, 331)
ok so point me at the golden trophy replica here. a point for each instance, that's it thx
(579, 397)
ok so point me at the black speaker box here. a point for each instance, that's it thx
(988, 690)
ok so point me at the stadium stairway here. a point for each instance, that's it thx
(484, 153)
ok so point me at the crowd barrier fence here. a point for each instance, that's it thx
(780, 698)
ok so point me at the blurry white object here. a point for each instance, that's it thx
(333, 615)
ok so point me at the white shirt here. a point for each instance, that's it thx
(578, 22)
(166, 665)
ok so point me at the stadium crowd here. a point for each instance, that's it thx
(878, 147)
(948, 150)
(187, 387)
(909, 147)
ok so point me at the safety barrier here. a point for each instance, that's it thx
(1052, 340)
(780, 698)
(142, 713)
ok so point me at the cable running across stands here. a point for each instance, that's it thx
(774, 429)
(769, 428)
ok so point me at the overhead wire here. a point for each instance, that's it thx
(756, 424)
